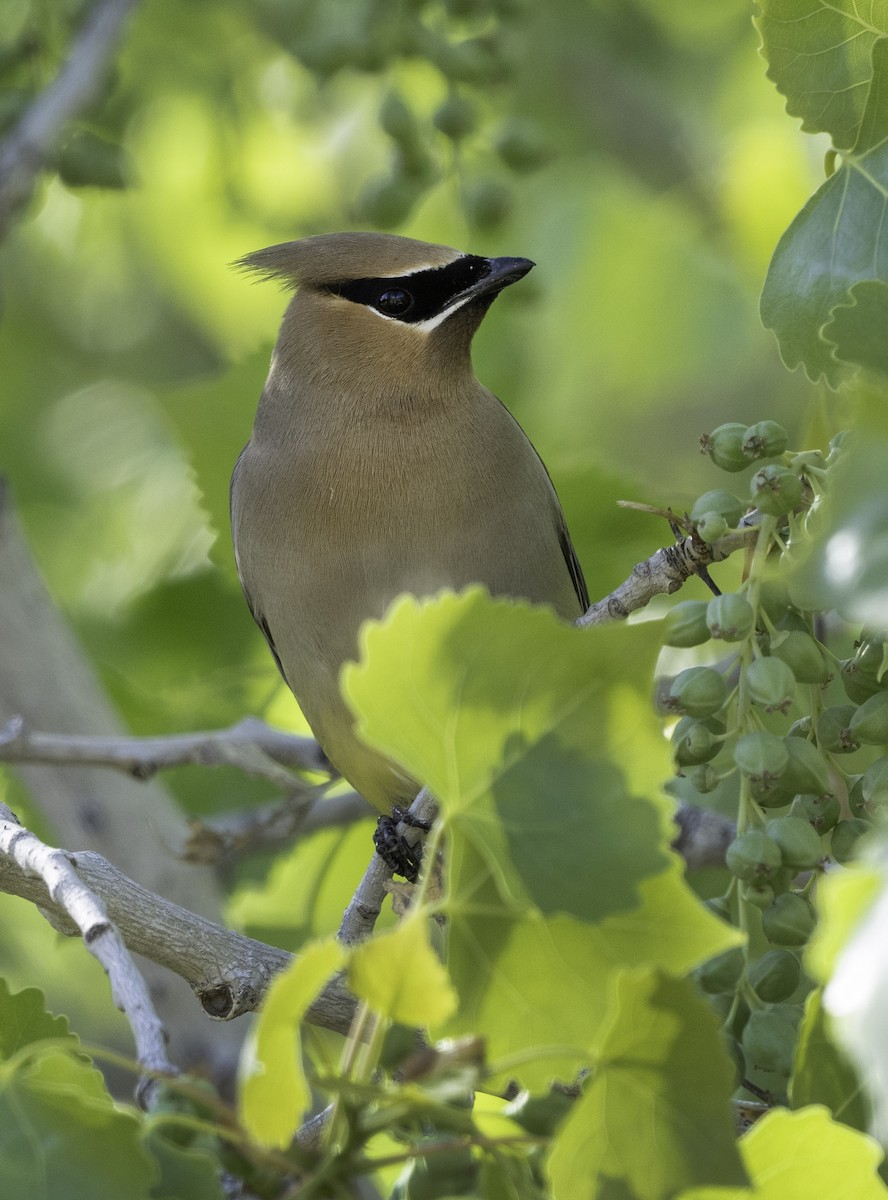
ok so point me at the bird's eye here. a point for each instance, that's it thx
(394, 302)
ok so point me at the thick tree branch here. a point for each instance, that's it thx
(27, 148)
(54, 870)
(228, 973)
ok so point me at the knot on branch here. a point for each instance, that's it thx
(217, 1002)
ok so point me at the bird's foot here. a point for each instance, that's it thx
(394, 849)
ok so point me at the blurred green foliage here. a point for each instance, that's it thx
(646, 166)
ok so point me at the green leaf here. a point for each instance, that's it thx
(655, 1114)
(63, 1138)
(843, 899)
(186, 1173)
(503, 965)
(831, 246)
(846, 566)
(24, 1020)
(274, 1093)
(401, 977)
(796, 1156)
(820, 56)
(499, 708)
(857, 329)
(555, 872)
(822, 1073)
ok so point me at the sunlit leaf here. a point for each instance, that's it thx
(274, 1093)
(655, 1114)
(401, 977)
(499, 708)
(846, 563)
(823, 1074)
(794, 1156)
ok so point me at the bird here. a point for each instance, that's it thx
(379, 465)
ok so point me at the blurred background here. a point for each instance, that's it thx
(633, 148)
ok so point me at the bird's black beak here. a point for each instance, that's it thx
(503, 271)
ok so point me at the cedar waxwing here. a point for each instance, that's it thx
(380, 465)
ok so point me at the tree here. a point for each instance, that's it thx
(580, 1005)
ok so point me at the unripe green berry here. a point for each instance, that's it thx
(698, 692)
(730, 617)
(522, 145)
(456, 117)
(775, 976)
(798, 841)
(766, 439)
(703, 777)
(789, 921)
(870, 723)
(725, 446)
(722, 973)
(875, 784)
(396, 118)
(859, 683)
(724, 504)
(685, 624)
(487, 203)
(822, 810)
(753, 856)
(834, 729)
(844, 838)
(711, 527)
(807, 770)
(802, 655)
(759, 893)
(769, 792)
(775, 490)
(693, 742)
(761, 756)
(801, 728)
(769, 1039)
(856, 799)
(770, 684)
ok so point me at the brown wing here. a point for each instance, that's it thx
(257, 615)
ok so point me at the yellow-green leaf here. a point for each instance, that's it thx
(274, 1093)
(401, 977)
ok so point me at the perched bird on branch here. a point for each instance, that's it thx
(380, 465)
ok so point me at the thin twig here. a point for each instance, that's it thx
(25, 151)
(250, 745)
(100, 936)
(665, 572)
(269, 825)
(366, 904)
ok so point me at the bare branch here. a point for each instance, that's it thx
(665, 572)
(366, 904)
(271, 825)
(228, 973)
(26, 149)
(54, 870)
(250, 745)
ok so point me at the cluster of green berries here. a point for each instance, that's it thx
(519, 143)
(477, 48)
(777, 719)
